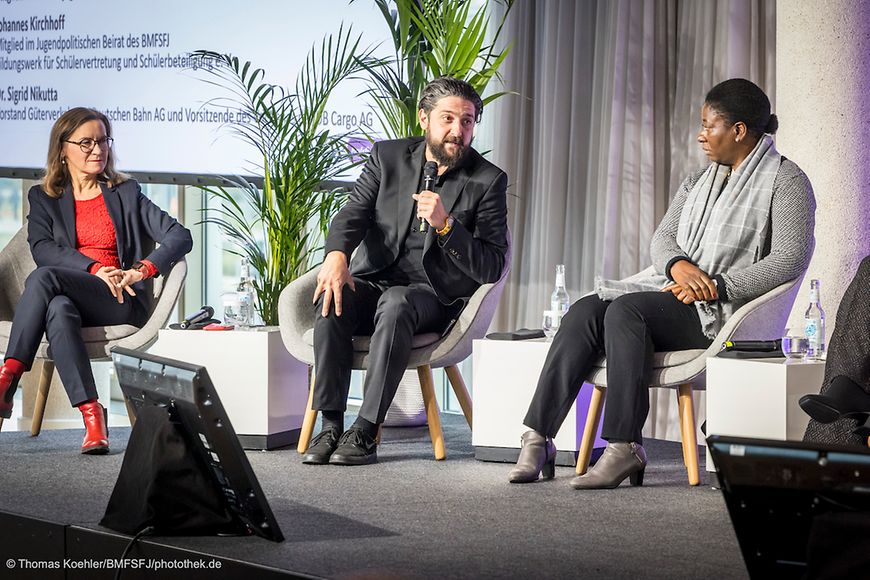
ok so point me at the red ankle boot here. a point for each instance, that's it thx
(8, 385)
(97, 430)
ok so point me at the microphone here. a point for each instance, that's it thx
(753, 345)
(203, 313)
(430, 171)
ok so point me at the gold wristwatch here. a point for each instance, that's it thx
(447, 227)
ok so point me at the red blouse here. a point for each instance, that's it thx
(95, 235)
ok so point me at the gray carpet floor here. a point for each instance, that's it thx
(412, 517)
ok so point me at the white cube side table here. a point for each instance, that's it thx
(263, 389)
(759, 397)
(505, 376)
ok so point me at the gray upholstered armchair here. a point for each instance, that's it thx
(762, 318)
(296, 317)
(16, 263)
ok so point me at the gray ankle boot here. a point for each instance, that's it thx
(537, 455)
(620, 460)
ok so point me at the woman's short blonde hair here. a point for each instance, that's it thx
(57, 175)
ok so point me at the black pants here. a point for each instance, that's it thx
(628, 331)
(59, 302)
(392, 316)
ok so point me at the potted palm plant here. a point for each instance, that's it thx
(279, 227)
(431, 38)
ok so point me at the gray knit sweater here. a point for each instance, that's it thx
(788, 247)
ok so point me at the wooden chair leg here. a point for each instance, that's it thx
(455, 378)
(593, 416)
(687, 430)
(427, 385)
(1, 423)
(683, 441)
(308, 421)
(41, 396)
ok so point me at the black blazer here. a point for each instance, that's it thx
(376, 219)
(139, 226)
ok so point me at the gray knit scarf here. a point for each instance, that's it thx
(723, 227)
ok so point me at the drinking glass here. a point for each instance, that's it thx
(794, 347)
(232, 309)
(551, 321)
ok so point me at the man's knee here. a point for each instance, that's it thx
(347, 304)
(395, 303)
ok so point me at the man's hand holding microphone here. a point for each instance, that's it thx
(430, 210)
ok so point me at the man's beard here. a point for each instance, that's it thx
(440, 153)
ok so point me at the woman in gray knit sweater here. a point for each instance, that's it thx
(735, 230)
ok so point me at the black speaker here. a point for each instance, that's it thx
(184, 471)
(799, 510)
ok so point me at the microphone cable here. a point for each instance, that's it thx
(146, 531)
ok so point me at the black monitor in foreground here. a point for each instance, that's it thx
(187, 393)
(799, 510)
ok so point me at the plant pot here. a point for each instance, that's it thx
(262, 387)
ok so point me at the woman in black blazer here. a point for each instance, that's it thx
(93, 236)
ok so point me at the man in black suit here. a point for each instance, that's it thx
(403, 281)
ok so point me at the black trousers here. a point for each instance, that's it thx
(392, 316)
(59, 302)
(628, 331)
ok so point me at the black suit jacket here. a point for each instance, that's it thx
(139, 226)
(376, 219)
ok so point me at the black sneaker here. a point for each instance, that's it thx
(355, 447)
(321, 447)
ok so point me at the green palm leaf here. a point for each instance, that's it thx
(431, 38)
(272, 226)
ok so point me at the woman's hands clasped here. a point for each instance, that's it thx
(691, 283)
(119, 281)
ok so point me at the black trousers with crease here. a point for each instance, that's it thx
(628, 331)
(392, 316)
(58, 302)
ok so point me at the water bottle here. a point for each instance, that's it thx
(245, 291)
(559, 301)
(814, 325)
